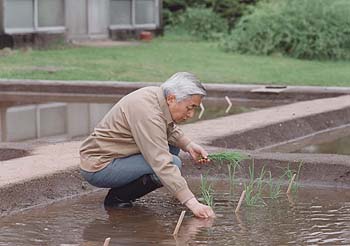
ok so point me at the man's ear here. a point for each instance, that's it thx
(171, 99)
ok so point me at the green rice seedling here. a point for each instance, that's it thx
(232, 172)
(274, 188)
(250, 198)
(233, 159)
(259, 181)
(289, 174)
(255, 187)
(207, 191)
(295, 184)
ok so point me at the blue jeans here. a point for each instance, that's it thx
(122, 171)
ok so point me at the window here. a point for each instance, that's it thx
(121, 12)
(34, 15)
(19, 14)
(134, 13)
(50, 13)
(144, 12)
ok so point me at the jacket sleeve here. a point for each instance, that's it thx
(150, 135)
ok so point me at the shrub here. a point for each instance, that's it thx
(203, 23)
(171, 7)
(307, 29)
(231, 10)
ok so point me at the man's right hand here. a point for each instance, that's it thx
(200, 210)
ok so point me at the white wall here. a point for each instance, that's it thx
(76, 19)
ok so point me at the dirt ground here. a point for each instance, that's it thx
(8, 154)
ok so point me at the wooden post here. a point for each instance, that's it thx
(106, 243)
(291, 183)
(240, 201)
(179, 222)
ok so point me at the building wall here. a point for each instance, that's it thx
(6, 41)
(76, 18)
(160, 29)
(83, 19)
(98, 18)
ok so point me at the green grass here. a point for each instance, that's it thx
(157, 60)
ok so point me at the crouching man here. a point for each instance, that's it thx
(134, 149)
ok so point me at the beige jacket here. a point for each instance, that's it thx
(139, 123)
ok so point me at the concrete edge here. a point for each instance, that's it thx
(83, 91)
(42, 190)
(275, 134)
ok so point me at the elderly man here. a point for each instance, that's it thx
(134, 149)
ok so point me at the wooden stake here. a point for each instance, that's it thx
(240, 201)
(290, 199)
(106, 243)
(179, 222)
(291, 183)
(202, 110)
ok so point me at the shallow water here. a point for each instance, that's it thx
(216, 111)
(340, 146)
(309, 217)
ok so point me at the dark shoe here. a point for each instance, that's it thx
(112, 201)
(121, 197)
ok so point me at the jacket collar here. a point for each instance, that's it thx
(164, 106)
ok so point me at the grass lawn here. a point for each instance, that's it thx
(157, 60)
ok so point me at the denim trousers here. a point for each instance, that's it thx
(122, 171)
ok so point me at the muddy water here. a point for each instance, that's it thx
(309, 217)
(340, 146)
(330, 141)
(212, 112)
(216, 108)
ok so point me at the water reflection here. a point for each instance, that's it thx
(213, 112)
(137, 225)
(140, 226)
(309, 217)
(340, 146)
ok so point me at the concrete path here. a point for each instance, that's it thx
(44, 161)
(205, 131)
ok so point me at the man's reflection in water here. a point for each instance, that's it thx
(142, 226)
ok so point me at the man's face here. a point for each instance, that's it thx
(185, 109)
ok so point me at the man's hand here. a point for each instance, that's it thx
(200, 210)
(197, 153)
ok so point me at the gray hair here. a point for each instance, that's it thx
(183, 85)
